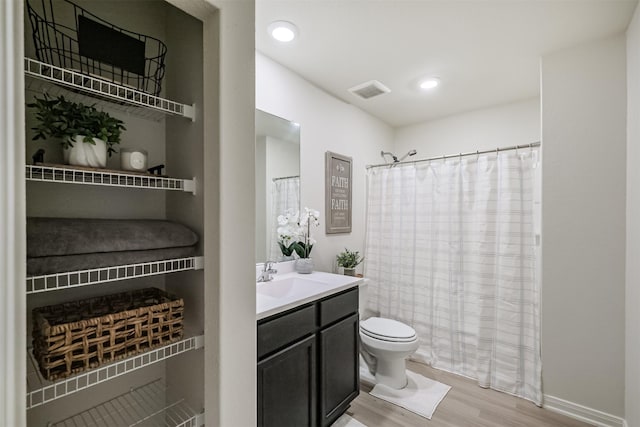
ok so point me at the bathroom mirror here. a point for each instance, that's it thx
(277, 165)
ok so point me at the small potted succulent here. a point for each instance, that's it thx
(349, 260)
(86, 134)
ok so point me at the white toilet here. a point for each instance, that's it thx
(385, 344)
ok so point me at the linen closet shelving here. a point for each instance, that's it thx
(163, 386)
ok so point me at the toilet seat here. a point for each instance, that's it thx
(387, 330)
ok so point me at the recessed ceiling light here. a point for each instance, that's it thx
(429, 83)
(283, 31)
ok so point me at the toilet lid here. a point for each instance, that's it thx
(387, 330)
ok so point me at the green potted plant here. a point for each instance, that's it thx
(86, 134)
(349, 260)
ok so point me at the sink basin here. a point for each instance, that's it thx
(289, 287)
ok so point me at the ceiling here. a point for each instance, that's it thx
(485, 52)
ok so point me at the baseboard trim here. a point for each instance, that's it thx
(582, 413)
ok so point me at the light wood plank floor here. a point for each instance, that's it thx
(466, 405)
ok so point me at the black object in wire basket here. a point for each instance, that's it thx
(70, 37)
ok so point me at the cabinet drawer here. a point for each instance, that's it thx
(276, 333)
(339, 306)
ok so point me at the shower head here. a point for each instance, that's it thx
(410, 153)
(386, 153)
(395, 159)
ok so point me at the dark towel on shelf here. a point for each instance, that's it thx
(71, 236)
(60, 264)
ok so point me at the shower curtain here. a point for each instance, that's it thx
(285, 194)
(451, 250)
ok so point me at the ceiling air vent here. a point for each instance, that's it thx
(369, 89)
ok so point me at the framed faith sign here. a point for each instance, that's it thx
(337, 193)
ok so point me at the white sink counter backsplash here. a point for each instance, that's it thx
(289, 289)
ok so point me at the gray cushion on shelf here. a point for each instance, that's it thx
(71, 236)
(60, 264)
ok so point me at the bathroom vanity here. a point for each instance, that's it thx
(307, 349)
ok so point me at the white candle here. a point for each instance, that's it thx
(132, 159)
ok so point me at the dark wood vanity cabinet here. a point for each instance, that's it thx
(287, 386)
(308, 362)
(340, 378)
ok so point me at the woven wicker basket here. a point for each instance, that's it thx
(76, 336)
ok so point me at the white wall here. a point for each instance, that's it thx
(230, 374)
(632, 311)
(283, 159)
(500, 126)
(583, 224)
(326, 124)
(12, 218)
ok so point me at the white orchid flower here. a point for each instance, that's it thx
(295, 226)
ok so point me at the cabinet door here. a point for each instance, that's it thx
(340, 378)
(287, 386)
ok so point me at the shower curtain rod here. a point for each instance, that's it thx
(285, 177)
(448, 156)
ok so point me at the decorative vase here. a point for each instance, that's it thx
(304, 265)
(349, 271)
(86, 154)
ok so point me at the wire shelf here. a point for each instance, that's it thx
(38, 87)
(73, 279)
(41, 391)
(70, 175)
(99, 87)
(149, 405)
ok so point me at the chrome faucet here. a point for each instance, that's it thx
(267, 271)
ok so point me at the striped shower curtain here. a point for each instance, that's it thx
(451, 250)
(285, 194)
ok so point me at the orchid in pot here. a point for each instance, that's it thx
(294, 235)
(288, 232)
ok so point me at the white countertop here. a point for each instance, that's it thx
(290, 290)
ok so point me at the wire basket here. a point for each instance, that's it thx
(68, 36)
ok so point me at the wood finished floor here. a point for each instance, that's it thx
(466, 405)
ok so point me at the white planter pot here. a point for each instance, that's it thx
(86, 154)
(304, 265)
(349, 271)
